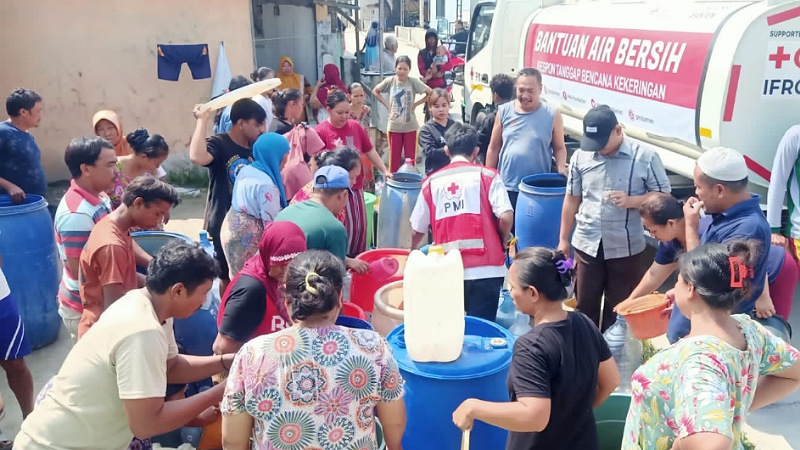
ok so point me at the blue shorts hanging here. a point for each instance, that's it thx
(171, 58)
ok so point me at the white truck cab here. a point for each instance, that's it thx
(683, 76)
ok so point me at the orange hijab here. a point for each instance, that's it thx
(291, 81)
(121, 147)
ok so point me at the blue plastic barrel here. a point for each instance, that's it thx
(434, 390)
(195, 334)
(537, 214)
(353, 322)
(31, 265)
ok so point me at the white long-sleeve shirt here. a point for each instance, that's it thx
(785, 178)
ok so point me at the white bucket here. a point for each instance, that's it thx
(388, 312)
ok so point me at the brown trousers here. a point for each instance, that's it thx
(598, 277)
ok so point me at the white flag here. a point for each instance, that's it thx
(222, 73)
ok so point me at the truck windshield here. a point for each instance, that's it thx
(479, 29)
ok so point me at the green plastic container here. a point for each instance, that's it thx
(369, 201)
(610, 419)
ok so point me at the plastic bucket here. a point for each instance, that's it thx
(388, 312)
(31, 265)
(364, 287)
(353, 322)
(537, 213)
(645, 315)
(610, 420)
(369, 202)
(351, 310)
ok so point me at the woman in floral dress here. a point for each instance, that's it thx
(695, 394)
(314, 385)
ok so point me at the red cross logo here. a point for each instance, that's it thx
(453, 190)
(779, 57)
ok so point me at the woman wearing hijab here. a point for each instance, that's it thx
(108, 126)
(331, 81)
(258, 196)
(371, 45)
(304, 143)
(253, 305)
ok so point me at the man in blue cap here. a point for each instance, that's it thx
(609, 178)
(317, 216)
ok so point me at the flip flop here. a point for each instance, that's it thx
(5, 442)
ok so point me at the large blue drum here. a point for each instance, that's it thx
(434, 390)
(31, 265)
(537, 214)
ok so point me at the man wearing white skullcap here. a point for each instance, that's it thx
(720, 179)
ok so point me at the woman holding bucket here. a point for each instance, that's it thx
(696, 393)
(662, 215)
(315, 384)
(560, 370)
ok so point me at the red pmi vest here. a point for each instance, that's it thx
(270, 323)
(461, 214)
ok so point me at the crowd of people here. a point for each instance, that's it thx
(287, 217)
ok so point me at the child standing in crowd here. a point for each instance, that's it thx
(403, 124)
(432, 134)
(92, 163)
(362, 114)
(223, 155)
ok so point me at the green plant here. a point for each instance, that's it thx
(648, 350)
(746, 444)
(188, 178)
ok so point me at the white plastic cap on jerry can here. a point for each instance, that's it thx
(433, 299)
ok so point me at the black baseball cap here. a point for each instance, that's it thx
(598, 124)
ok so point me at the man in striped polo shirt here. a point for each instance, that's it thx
(93, 166)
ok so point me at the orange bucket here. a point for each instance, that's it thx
(645, 315)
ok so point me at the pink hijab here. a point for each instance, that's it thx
(296, 174)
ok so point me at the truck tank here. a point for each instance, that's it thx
(682, 76)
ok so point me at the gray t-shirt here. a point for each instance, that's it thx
(527, 143)
(401, 102)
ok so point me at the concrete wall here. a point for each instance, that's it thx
(86, 56)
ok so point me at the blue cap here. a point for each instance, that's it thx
(331, 177)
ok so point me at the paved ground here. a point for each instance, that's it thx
(774, 427)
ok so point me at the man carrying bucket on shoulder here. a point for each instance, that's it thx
(468, 209)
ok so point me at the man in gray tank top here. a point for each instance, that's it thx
(527, 135)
